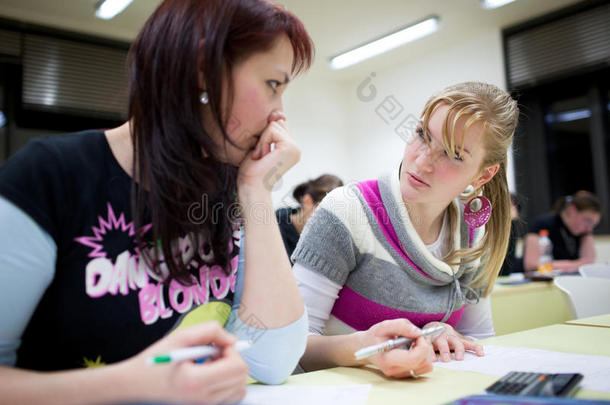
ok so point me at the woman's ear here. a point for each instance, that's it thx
(486, 175)
(200, 78)
(200, 81)
(307, 202)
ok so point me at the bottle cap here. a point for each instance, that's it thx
(543, 232)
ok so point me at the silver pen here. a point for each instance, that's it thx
(394, 343)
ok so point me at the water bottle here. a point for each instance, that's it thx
(545, 252)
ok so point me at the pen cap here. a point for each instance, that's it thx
(242, 345)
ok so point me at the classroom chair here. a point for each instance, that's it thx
(589, 296)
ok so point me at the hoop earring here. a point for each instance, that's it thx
(467, 192)
(477, 212)
(203, 97)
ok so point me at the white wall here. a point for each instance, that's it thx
(316, 117)
(374, 144)
(340, 126)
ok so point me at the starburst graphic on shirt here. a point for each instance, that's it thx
(93, 363)
(112, 222)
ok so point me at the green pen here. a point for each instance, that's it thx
(194, 353)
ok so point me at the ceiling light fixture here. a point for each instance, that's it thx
(108, 9)
(386, 43)
(489, 4)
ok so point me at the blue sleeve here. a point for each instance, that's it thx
(275, 353)
(27, 266)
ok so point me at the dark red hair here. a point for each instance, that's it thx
(181, 39)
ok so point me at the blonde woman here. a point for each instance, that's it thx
(421, 245)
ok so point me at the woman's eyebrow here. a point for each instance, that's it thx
(286, 76)
(429, 132)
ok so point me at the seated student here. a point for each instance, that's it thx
(309, 194)
(512, 263)
(570, 226)
(385, 257)
(109, 241)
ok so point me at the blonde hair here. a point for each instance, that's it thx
(498, 114)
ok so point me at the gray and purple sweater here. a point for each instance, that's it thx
(361, 237)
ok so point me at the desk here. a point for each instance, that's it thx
(599, 320)
(444, 385)
(526, 306)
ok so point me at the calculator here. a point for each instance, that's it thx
(536, 384)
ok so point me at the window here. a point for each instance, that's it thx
(562, 144)
(50, 81)
(568, 140)
(3, 140)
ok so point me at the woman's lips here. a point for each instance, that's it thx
(416, 181)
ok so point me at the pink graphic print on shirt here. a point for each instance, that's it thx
(128, 273)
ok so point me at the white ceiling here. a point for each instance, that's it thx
(335, 25)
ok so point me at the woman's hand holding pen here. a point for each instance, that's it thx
(399, 363)
(451, 340)
(222, 380)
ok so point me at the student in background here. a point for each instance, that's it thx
(512, 263)
(308, 194)
(118, 237)
(570, 226)
(419, 246)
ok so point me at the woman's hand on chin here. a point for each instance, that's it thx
(264, 165)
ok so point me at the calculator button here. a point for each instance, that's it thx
(522, 378)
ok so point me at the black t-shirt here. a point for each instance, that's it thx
(104, 304)
(566, 246)
(290, 235)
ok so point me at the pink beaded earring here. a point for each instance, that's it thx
(477, 212)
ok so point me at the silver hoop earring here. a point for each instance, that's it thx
(467, 192)
(203, 97)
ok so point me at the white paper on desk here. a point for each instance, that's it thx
(500, 360)
(306, 395)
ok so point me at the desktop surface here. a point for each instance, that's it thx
(602, 321)
(445, 385)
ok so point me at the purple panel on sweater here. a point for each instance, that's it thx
(361, 313)
(372, 196)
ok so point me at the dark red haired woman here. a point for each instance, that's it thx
(123, 238)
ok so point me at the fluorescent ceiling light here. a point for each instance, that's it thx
(489, 4)
(108, 9)
(388, 42)
(572, 115)
(567, 116)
